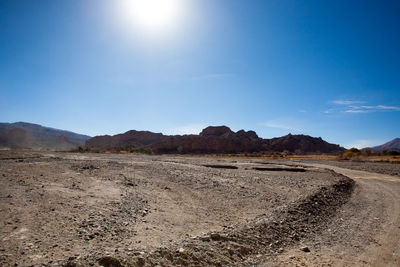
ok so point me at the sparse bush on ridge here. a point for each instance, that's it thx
(355, 154)
(352, 153)
(143, 150)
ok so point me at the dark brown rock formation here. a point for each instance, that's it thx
(212, 140)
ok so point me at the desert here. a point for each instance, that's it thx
(86, 209)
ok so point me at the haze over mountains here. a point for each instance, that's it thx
(33, 136)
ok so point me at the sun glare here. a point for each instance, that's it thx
(152, 15)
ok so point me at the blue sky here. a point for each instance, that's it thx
(329, 69)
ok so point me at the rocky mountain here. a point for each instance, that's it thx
(34, 136)
(391, 145)
(303, 144)
(213, 139)
(128, 140)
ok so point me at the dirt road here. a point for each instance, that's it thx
(368, 229)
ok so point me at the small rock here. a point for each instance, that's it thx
(217, 236)
(305, 249)
(205, 238)
(108, 261)
(140, 261)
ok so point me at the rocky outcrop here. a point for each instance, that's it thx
(129, 140)
(221, 131)
(303, 144)
(212, 140)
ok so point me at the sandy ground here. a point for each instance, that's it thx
(365, 231)
(373, 167)
(112, 210)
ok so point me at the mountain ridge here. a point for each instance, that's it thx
(24, 135)
(213, 139)
(391, 145)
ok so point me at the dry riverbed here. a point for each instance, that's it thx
(112, 210)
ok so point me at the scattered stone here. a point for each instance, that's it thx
(140, 261)
(305, 249)
(218, 237)
(108, 261)
(205, 238)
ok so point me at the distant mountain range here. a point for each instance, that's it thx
(213, 139)
(34, 136)
(391, 145)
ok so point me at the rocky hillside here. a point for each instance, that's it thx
(391, 145)
(34, 136)
(129, 140)
(213, 139)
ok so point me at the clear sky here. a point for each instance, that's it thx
(329, 69)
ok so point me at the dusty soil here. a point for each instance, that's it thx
(375, 167)
(365, 231)
(135, 210)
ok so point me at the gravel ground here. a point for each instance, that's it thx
(378, 167)
(136, 210)
(58, 206)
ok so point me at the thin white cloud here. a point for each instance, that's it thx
(366, 109)
(187, 129)
(283, 125)
(347, 102)
(355, 107)
(357, 111)
(382, 107)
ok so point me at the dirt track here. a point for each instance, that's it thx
(59, 208)
(373, 215)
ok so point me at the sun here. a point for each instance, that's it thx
(152, 15)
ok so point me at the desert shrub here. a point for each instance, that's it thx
(390, 153)
(143, 150)
(354, 150)
(366, 151)
(352, 153)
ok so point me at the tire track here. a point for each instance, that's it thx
(386, 250)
